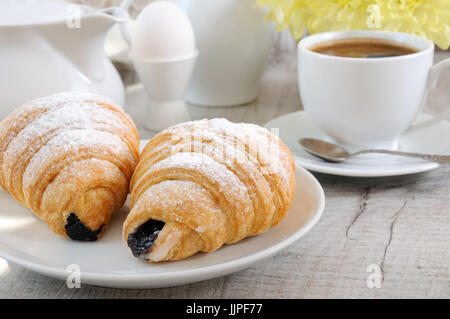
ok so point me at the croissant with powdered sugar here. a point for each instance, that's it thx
(69, 158)
(203, 184)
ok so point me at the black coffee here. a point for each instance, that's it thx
(362, 48)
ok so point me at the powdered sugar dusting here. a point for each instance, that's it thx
(62, 123)
(64, 116)
(60, 99)
(73, 141)
(252, 137)
(205, 164)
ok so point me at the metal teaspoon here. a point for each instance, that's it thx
(335, 154)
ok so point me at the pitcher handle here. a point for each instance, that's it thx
(433, 78)
(125, 5)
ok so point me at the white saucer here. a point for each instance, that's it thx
(434, 140)
(25, 240)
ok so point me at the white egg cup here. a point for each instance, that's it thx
(165, 83)
(162, 49)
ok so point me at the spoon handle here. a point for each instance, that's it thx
(427, 157)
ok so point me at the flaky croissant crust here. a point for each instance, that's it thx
(69, 157)
(202, 184)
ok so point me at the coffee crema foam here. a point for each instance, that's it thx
(362, 48)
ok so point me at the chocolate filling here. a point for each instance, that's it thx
(76, 230)
(142, 240)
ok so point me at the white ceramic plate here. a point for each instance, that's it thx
(25, 240)
(297, 125)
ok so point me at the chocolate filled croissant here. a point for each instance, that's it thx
(203, 184)
(69, 158)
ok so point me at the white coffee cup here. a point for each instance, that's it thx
(362, 102)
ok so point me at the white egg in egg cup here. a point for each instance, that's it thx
(165, 84)
(163, 52)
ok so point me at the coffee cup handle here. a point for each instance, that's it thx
(433, 78)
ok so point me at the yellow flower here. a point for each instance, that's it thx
(288, 14)
(429, 18)
(338, 15)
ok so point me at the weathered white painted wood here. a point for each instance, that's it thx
(401, 224)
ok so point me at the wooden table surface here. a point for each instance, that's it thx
(399, 225)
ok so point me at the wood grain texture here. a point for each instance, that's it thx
(401, 224)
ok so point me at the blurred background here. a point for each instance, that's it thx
(282, 59)
(283, 40)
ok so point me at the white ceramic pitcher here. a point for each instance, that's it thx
(49, 46)
(234, 43)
